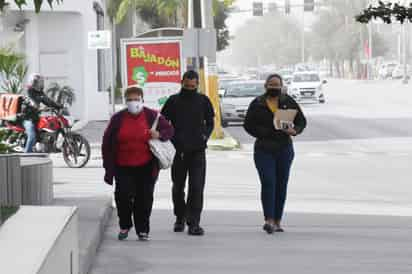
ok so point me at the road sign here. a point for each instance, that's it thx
(257, 8)
(101, 39)
(309, 5)
(287, 6)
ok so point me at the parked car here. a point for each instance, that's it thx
(386, 70)
(237, 98)
(307, 86)
(398, 72)
(225, 82)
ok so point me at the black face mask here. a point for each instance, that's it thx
(186, 91)
(273, 92)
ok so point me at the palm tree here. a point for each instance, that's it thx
(20, 3)
(63, 95)
(13, 70)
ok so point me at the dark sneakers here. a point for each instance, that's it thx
(196, 231)
(268, 228)
(179, 226)
(123, 235)
(144, 237)
(278, 228)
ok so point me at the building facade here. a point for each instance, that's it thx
(55, 43)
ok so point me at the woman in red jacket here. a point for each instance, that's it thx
(128, 159)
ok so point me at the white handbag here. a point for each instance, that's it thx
(164, 151)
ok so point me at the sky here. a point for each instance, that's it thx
(237, 20)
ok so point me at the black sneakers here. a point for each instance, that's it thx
(144, 237)
(179, 225)
(268, 228)
(196, 231)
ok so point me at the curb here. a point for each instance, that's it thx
(227, 143)
(88, 255)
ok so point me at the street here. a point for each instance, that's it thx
(354, 110)
(353, 160)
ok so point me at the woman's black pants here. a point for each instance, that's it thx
(134, 196)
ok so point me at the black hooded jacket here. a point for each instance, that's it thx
(259, 123)
(192, 116)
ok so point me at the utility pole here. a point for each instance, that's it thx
(201, 18)
(405, 35)
(211, 75)
(303, 38)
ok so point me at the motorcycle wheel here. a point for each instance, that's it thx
(76, 151)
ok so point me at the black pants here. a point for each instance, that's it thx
(194, 165)
(134, 196)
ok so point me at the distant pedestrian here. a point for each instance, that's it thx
(128, 159)
(274, 152)
(192, 116)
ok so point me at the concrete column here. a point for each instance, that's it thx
(32, 45)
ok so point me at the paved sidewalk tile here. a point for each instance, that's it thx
(235, 243)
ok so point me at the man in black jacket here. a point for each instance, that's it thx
(192, 116)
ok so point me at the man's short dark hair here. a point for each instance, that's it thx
(191, 75)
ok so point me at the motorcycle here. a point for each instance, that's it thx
(54, 135)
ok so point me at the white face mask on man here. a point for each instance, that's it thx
(135, 107)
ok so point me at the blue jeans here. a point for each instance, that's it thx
(30, 129)
(274, 170)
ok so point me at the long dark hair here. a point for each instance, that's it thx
(274, 75)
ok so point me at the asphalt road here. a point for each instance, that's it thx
(354, 110)
(328, 128)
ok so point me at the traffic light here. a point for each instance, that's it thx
(273, 7)
(257, 8)
(287, 6)
(309, 5)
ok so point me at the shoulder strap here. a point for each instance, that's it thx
(156, 122)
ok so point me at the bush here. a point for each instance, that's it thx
(4, 146)
(13, 70)
(6, 212)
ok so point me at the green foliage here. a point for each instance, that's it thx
(63, 95)
(164, 13)
(21, 3)
(387, 12)
(13, 70)
(6, 212)
(4, 146)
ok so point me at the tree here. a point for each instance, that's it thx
(63, 95)
(337, 38)
(165, 13)
(271, 39)
(20, 3)
(387, 12)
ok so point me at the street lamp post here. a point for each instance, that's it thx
(303, 38)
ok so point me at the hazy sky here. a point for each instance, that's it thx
(238, 19)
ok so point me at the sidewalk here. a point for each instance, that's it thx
(235, 243)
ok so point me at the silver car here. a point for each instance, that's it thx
(237, 98)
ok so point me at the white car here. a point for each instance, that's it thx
(307, 86)
(398, 72)
(237, 98)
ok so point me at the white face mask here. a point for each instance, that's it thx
(135, 107)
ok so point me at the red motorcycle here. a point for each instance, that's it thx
(54, 135)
